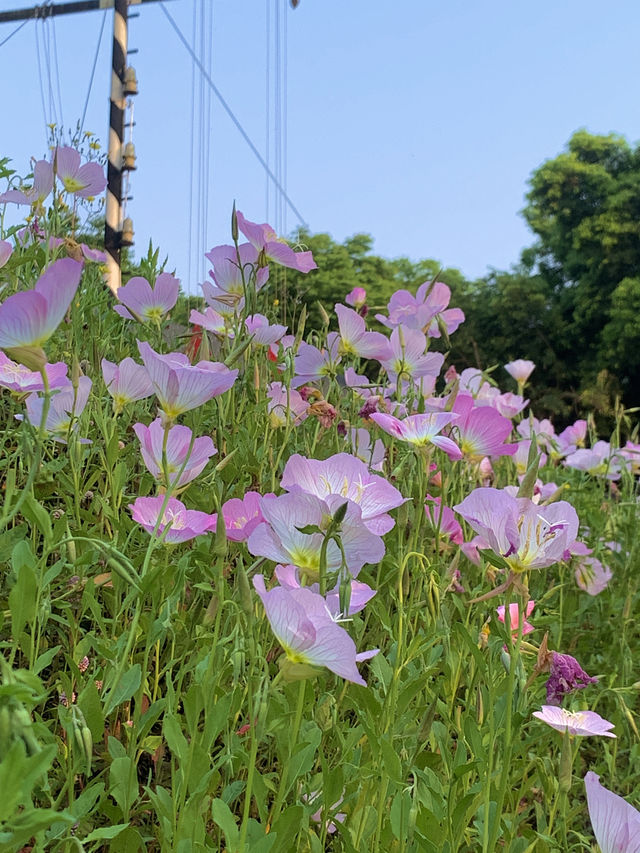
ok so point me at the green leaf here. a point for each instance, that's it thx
(223, 817)
(125, 688)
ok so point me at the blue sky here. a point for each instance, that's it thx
(417, 122)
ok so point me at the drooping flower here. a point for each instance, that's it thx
(177, 451)
(180, 386)
(126, 382)
(582, 723)
(185, 524)
(421, 430)
(16, 377)
(39, 190)
(521, 369)
(348, 477)
(29, 318)
(147, 304)
(280, 538)
(306, 631)
(361, 593)
(514, 617)
(86, 180)
(525, 535)
(592, 576)
(265, 240)
(615, 822)
(77, 251)
(565, 676)
(355, 339)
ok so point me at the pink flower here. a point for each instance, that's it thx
(355, 339)
(210, 320)
(442, 518)
(615, 822)
(29, 318)
(75, 250)
(599, 461)
(356, 298)
(242, 516)
(66, 406)
(285, 405)
(420, 430)
(180, 386)
(126, 382)
(16, 377)
(312, 364)
(264, 334)
(226, 296)
(372, 456)
(582, 723)
(146, 303)
(407, 358)
(177, 451)
(86, 181)
(265, 240)
(514, 617)
(184, 524)
(481, 431)
(36, 194)
(592, 576)
(520, 369)
(5, 252)
(304, 628)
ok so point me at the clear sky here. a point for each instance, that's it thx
(416, 121)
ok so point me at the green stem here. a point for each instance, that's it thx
(284, 777)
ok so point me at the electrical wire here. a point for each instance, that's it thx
(93, 71)
(232, 116)
(57, 67)
(40, 80)
(14, 32)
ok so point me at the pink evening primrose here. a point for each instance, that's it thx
(126, 382)
(285, 405)
(599, 461)
(280, 538)
(177, 451)
(66, 406)
(210, 320)
(481, 431)
(16, 377)
(520, 370)
(184, 524)
(5, 252)
(421, 430)
(226, 295)
(441, 518)
(581, 723)
(356, 298)
(312, 364)
(361, 593)
(407, 358)
(306, 631)
(265, 240)
(30, 317)
(361, 446)
(525, 535)
(77, 251)
(85, 181)
(38, 191)
(148, 304)
(356, 340)
(242, 516)
(348, 477)
(264, 334)
(181, 386)
(592, 576)
(514, 618)
(615, 822)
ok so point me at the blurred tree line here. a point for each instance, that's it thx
(571, 304)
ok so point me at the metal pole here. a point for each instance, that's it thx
(113, 210)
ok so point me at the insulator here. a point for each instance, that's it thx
(130, 82)
(129, 158)
(126, 238)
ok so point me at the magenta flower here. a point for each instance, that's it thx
(304, 628)
(5, 252)
(242, 516)
(29, 318)
(356, 298)
(348, 477)
(582, 723)
(441, 518)
(264, 334)
(145, 303)
(592, 576)
(525, 535)
(279, 536)
(16, 377)
(184, 524)
(514, 618)
(40, 189)
(520, 369)
(285, 405)
(615, 822)
(85, 181)
(481, 431)
(177, 451)
(126, 382)
(565, 676)
(180, 386)
(421, 430)
(265, 239)
(356, 340)
(65, 408)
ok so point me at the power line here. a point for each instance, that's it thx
(232, 116)
(93, 71)
(14, 32)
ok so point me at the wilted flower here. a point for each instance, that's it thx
(565, 676)
(582, 723)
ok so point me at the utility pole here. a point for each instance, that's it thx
(123, 84)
